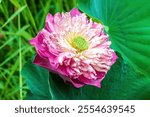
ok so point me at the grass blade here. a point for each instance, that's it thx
(14, 15)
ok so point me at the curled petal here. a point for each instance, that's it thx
(49, 23)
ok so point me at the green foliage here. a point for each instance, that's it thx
(14, 15)
(20, 20)
(128, 25)
(121, 82)
(37, 79)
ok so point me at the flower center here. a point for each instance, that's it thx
(80, 43)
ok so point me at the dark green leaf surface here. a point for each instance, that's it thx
(61, 90)
(37, 79)
(31, 96)
(128, 24)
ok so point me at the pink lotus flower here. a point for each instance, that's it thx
(75, 48)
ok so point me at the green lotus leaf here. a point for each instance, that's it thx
(128, 24)
(37, 79)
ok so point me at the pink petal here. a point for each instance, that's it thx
(49, 23)
(94, 82)
(74, 12)
(75, 82)
(43, 62)
(114, 57)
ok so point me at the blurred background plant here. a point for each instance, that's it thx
(20, 20)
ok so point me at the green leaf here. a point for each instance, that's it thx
(140, 90)
(37, 79)
(128, 22)
(61, 90)
(31, 96)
